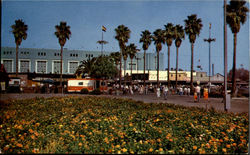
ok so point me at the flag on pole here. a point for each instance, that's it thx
(209, 25)
(104, 28)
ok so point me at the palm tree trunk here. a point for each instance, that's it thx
(120, 78)
(16, 60)
(144, 69)
(125, 66)
(176, 68)
(61, 68)
(168, 66)
(234, 67)
(131, 71)
(192, 63)
(158, 69)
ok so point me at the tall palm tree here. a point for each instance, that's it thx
(179, 34)
(169, 36)
(236, 15)
(122, 36)
(19, 30)
(62, 33)
(158, 39)
(132, 52)
(146, 39)
(193, 27)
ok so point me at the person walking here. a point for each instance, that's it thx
(198, 91)
(188, 91)
(165, 92)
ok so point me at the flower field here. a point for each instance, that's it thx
(104, 125)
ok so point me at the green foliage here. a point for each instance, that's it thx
(19, 30)
(100, 67)
(84, 91)
(101, 125)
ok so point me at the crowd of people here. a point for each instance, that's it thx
(163, 90)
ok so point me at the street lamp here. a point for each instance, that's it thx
(209, 40)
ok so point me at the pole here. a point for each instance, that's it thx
(102, 42)
(225, 57)
(209, 40)
(209, 57)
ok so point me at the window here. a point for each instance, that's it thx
(201, 75)
(8, 65)
(56, 67)
(41, 66)
(80, 83)
(179, 75)
(72, 67)
(24, 65)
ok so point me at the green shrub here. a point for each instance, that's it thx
(84, 91)
(96, 92)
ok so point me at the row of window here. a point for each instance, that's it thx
(7, 52)
(41, 66)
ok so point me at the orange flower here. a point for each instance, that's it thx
(224, 150)
(228, 146)
(194, 147)
(31, 131)
(33, 137)
(160, 149)
(19, 145)
(150, 150)
(234, 144)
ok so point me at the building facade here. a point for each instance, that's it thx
(48, 60)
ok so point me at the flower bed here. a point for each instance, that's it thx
(104, 125)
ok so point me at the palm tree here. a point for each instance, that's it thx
(236, 15)
(146, 39)
(169, 35)
(19, 29)
(158, 39)
(122, 36)
(179, 34)
(132, 52)
(86, 66)
(192, 28)
(62, 33)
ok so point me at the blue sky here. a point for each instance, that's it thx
(87, 17)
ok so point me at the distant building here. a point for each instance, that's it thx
(48, 60)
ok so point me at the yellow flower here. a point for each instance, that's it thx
(80, 144)
(124, 150)
(117, 146)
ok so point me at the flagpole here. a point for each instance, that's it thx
(102, 42)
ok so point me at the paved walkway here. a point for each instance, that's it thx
(238, 105)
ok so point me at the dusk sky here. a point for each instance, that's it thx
(86, 18)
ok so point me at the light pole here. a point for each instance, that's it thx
(226, 100)
(209, 40)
